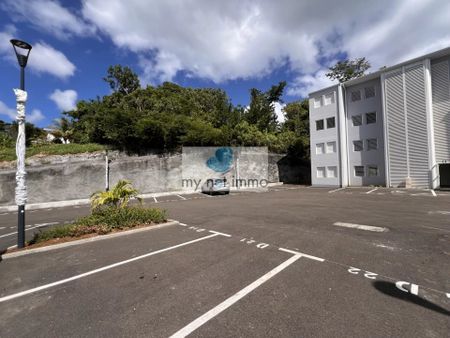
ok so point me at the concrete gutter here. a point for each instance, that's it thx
(86, 201)
(86, 240)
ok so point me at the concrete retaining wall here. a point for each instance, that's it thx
(61, 178)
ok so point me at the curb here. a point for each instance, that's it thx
(86, 201)
(86, 240)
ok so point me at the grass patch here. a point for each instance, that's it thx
(103, 221)
(9, 154)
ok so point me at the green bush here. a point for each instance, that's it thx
(103, 221)
(9, 153)
(118, 196)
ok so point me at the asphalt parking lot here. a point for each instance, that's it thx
(290, 262)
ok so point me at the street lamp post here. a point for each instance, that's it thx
(22, 50)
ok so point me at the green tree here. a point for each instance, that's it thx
(122, 79)
(296, 117)
(261, 112)
(348, 69)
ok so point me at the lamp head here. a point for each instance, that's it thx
(22, 50)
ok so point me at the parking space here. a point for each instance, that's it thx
(295, 261)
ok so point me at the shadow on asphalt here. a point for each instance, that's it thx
(390, 289)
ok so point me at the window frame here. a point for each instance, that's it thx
(353, 97)
(376, 168)
(368, 144)
(363, 170)
(322, 146)
(333, 169)
(333, 118)
(318, 101)
(359, 142)
(323, 125)
(331, 96)
(365, 92)
(361, 120)
(323, 170)
(369, 113)
(333, 143)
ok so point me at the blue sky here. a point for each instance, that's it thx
(234, 45)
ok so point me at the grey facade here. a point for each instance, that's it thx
(392, 127)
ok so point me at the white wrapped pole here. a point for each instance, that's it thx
(21, 189)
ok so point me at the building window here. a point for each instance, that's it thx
(331, 147)
(357, 120)
(320, 148)
(372, 170)
(359, 170)
(371, 117)
(332, 172)
(328, 99)
(372, 144)
(331, 122)
(317, 102)
(369, 92)
(320, 172)
(358, 145)
(319, 125)
(356, 96)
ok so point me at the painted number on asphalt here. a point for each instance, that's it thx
(408, 287)
(259, 245)
(367, 274)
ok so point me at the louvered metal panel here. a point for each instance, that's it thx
(440, 83)
(416, 115)
(396, 131)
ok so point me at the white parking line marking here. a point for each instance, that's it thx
(107, 267)
(191, 327)
(5, 213)
(360, 226)
(302, 254)
(433, 192)
(219, 233)
(1, 228)
(155, 200)
(183, 198)
(332, 191)
(441, 212)
(371, 191)
(34, 227)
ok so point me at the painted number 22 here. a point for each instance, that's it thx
(367, 274)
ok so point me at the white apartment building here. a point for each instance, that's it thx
(388, 128)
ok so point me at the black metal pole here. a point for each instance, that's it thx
(21, 208)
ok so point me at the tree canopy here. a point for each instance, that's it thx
(348, 69)
(122, 79)
(166, 117)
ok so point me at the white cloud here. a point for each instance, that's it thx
(5, 36)
(307, 83)
(5, 110)
(224, 40)
(278, 110)
(45, 59)
(65, 100)
(48, 16)
(33, 117)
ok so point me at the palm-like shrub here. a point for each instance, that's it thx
(118, 196)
